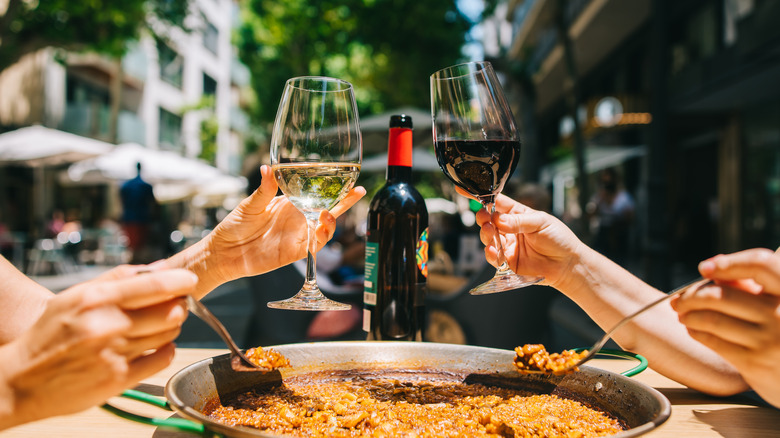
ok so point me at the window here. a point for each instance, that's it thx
(210, 36)
(696, 38)
(87, 108)
(171, 64)
(80, 91)
(209, 85)
(170, 130)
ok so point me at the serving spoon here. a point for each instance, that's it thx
(600, 343)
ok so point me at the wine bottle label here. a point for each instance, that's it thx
(369, 282)
(422, 253)
(366, 320)
(370, 273)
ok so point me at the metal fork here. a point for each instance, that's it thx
(239, 362)
(600, 343)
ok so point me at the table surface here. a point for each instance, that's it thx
(693, 414)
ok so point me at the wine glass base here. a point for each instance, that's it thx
(309, 303)
(504, 282)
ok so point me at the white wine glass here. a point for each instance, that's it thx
(316, 151)
(477, 146)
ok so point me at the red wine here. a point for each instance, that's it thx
(480, 167)
(396, 260)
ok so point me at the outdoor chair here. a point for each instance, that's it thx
(49, 256)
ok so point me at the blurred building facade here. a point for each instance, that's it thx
(680, 95)
(181, 91)
(162, 90)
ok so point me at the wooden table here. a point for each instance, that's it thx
(693, 414)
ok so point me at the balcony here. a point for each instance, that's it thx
(743, 73)
(86, 119)
(596, 28)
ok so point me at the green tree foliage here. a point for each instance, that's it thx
(209, 126)
(101, 25)
(386, 48)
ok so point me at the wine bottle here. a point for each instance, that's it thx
(396, 260)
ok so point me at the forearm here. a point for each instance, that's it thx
(23, 301)
(7, 396)
(608, 292)
(200, 258)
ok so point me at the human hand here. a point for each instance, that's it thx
(739, 316)
(263, 233)
(535, 243)
(91, 342)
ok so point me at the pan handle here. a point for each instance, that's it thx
(625, 354)
(179, 424)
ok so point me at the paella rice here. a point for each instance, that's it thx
(388, 407)
(535, 358)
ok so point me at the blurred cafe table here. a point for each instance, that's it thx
(693, 414)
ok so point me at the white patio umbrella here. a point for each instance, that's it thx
(37, 146)
(423, 160)
(440, 205)
(172, 176)
(374, 129)
(226, 191)
(379, 122)
(157, 166)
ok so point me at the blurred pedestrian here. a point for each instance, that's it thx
(55, 224)
(72, 222)
(612, 210)
(138, 208)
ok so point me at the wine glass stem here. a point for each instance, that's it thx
(503, 267)
(310, 285)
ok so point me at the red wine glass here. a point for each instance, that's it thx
(477, 146)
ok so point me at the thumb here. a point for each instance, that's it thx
(259, 199)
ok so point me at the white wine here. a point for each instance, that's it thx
(313, 187)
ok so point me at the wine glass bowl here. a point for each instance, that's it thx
(477, 146)
(316, 152)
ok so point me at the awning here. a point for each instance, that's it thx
(596, 158)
